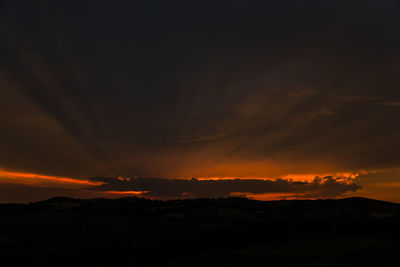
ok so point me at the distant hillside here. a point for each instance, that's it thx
(219, 209)
(200, 232)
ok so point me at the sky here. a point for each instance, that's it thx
(171, 99)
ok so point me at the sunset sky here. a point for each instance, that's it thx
(171, 99)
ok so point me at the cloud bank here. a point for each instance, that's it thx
(326, 187)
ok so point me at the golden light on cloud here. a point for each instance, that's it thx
(309, 177)
(293, 177)
(32, 178)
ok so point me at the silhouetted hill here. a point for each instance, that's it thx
(200, 232)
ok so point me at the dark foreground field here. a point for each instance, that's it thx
(200, 232)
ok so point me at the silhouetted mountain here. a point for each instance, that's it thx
(200, 232)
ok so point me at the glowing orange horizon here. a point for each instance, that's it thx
(223, 178)
(40, 177)
(264, 196)
(128, 192)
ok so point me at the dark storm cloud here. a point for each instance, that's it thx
(156, 187)
(148, 88)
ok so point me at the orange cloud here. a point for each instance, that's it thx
(128, 192)
(32, 178)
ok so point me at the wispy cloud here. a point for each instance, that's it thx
(389, 103)
(32, 178)
(200, 138)
(305, 92)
